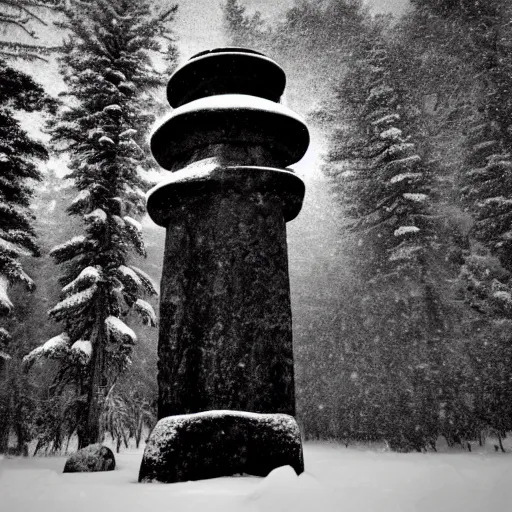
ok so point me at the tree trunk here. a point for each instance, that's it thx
(91, 432)
(138, 432)
(125, 440)
(500, 443)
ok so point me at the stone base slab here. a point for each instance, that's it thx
(214, 444)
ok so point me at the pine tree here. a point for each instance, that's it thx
(484, 286)
(241, 28)
(108, 68)
(486, 178)
(18, 91)
(486, 193)
(17, 162)
(19, 156)
(465, 46)
(381, 170)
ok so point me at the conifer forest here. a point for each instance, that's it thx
(400, 262)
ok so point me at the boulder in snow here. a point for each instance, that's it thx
(220, 443)
(94, 457)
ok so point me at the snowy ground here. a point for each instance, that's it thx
(336, 479)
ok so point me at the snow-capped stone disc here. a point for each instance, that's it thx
(231, 119)
(212, 444)
(226, 71)
(197, 181)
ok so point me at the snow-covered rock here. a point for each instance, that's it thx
(94, 457)
(220, 443)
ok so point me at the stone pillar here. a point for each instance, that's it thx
(225, 337)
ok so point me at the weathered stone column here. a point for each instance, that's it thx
(225, 337)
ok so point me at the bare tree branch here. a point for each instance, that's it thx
(21, 7)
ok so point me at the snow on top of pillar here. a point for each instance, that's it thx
(230, 119)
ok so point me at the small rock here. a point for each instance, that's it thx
(94, 457)
(212, 444)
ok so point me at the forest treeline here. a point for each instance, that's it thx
(404, 337)
(413, 340)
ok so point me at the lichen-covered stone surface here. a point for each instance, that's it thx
(94, 457)
(220, 443)
(225, 316)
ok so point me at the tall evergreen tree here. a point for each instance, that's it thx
(486, 178)
(486, 192)
(19, 155)
(108, 68)
(382, 172)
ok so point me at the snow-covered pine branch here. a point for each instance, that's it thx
(149, 286)
(119, 331)
(73, 304)
(97, 216)
(129, 278)
(6, 306)
(87, 277)
(70, 249)
(82, 349)
(55, 348)
(11, 249)
(135, 236)
(24, 239)
(146, 312)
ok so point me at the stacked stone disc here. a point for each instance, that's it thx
(225, 340)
